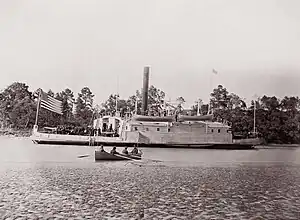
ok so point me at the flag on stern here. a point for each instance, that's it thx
(214, 71)
(50, 103)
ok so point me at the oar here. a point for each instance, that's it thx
(131, 156)
(120, 155)
(141, 152)
(82, 156)
(155, 160)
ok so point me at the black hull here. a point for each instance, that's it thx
(122, 144)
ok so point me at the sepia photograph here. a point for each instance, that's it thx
(147, 109)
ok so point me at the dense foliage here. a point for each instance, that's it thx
(277, 121)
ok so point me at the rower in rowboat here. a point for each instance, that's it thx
(101, 149)
(114, 151)
(125, 151)
(135, 150)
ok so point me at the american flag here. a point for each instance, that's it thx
(50, 103)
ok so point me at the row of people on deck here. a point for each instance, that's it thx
(125, 151)
(84, 131)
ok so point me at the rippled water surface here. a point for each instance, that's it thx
(51, 182)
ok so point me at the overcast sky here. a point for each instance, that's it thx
(253, 44)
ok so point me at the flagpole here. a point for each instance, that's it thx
(210, 88)
(35, 128)
(37, 108)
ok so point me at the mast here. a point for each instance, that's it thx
(254, 117)
(117, 95)
(254, 113)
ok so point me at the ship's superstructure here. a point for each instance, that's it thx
(191, 130)
(174, 129)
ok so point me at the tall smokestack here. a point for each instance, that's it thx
(145, 90)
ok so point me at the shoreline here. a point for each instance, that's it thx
(15, 133)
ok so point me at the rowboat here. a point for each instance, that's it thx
(107, 156)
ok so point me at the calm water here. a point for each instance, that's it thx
(51, 182)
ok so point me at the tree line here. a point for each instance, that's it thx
(18, 108)
(277, 120)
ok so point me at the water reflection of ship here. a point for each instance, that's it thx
(163, 130)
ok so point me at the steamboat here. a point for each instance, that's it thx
(175, 131)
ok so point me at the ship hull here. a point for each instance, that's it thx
(110, 142)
